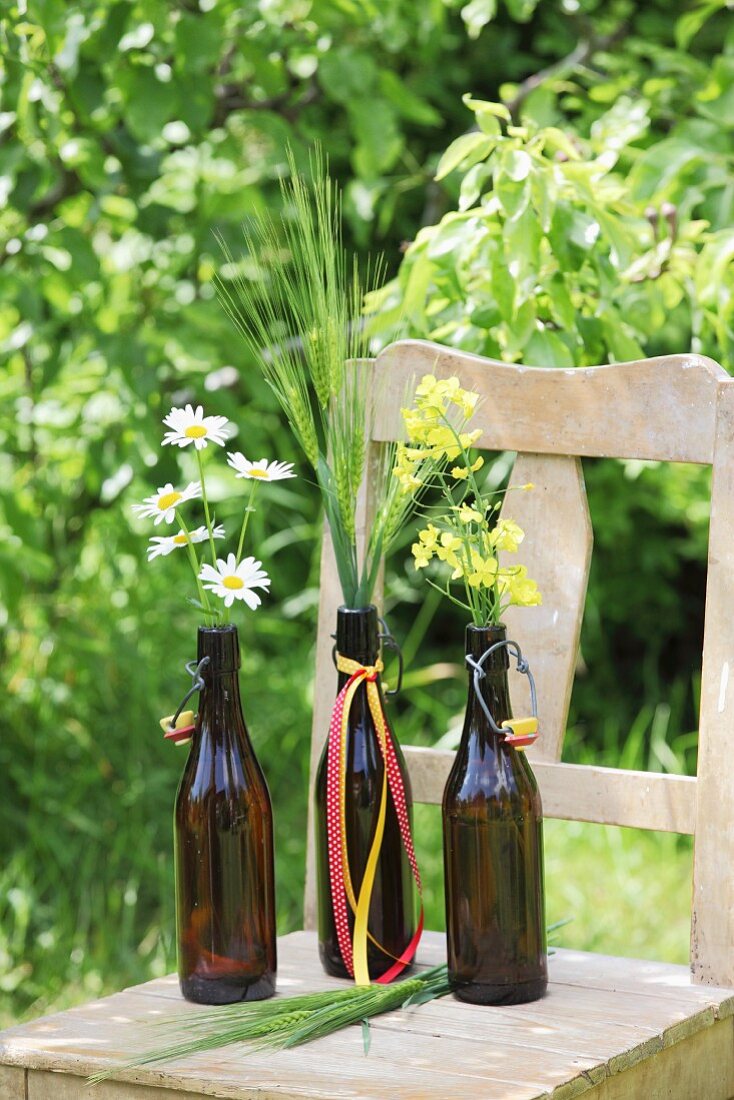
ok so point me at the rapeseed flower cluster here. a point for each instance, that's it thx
(470, 535)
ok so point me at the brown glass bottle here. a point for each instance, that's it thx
(223, 838)
(493, 851)
(392, 919)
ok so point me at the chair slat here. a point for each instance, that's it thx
(661, 408)
(676, 408)
(579, 792)
(712, 925)
(557, 553)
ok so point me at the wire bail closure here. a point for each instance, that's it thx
(180, 731)
(390, 642)
(518, 732)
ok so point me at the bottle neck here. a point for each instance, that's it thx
(357, 637)
(493, 686)
(220, 707)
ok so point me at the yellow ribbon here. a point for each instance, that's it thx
(361, 905)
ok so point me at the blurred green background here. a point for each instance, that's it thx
(130, 133)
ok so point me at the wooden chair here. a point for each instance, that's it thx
(609, 1028)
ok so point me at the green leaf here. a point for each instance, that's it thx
(465, 151)
(487, 107)
(472, 184)
(476, 14)
(503, 285)
(379, 141)
(546, 349)
(561, 306)
(419, 280)
(148, 103)
(555, 140)
(619, 235)
(622, 346)
(516, 164)
(405, 101)
(347, 75)
(453, 233)
(690, 23)
(521, 10)
(513, 197)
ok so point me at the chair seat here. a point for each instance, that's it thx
(609, 1028)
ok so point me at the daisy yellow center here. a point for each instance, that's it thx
(233, 582)
(168, 500)
(258, 473)
(180, 540)
(195, 431)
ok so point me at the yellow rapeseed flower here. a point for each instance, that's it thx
(429, 537)
(469, 514)
(484, 570)
(507, 535)
(422, 554)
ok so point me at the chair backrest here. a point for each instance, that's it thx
(677, 408)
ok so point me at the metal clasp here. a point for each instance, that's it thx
(523, 737)
(197, 684)
(389, 642)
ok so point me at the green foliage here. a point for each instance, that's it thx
(562, 254)
(131, 132)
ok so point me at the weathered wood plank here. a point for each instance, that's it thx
(45, 1085)
(324, 690)
(79, 1042)
(557, 552)
(712, 919)
(579, 792)
(703, 1070)
(662, 408)
(12, 1083)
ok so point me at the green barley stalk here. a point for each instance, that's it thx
(284, 1021)
(298, 304)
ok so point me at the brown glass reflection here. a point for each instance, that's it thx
(493, 852)
(223, 832)
(392, 908)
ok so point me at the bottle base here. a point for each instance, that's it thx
(514, 993)
(219, 991)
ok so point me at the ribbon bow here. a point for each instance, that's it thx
(354, 951)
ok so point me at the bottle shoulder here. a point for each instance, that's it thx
(488, 771)
(222, 766)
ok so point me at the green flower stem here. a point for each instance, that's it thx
(246, 518)
(194, 562)
(473, 595)
(466, 457)
(206, 508)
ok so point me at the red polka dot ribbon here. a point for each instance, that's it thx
(353, 947)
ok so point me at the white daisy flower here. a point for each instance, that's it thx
(231, 581)
(162, 507)
(163, 545)
(189, 426)
(262, 470)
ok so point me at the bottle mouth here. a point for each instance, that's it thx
(357, 632)
(479, 639)
(221, 645)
